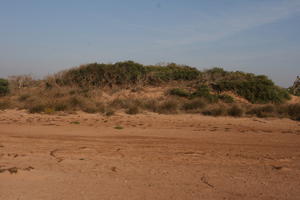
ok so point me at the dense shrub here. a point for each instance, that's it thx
(81, 89)
(256, 89)
(203, 91)
(124, 74)
(214, 74)
(4, 87)
(179, 92)
(293, 111)
(172, 72)
(235, 111)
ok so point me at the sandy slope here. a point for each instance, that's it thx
(153, 157)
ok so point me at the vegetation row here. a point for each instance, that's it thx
(195, 91)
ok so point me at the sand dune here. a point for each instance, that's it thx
(147, 156)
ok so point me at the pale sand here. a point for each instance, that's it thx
(50, 157)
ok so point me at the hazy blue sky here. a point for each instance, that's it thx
(40, 37)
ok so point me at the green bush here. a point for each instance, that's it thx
(171, 72)
(203, 91)
(124, 74)
(256, 89)
(179, 92)
(4, 87)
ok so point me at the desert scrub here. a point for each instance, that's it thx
(151, 105)
(39, 108)
(125, 103)
(168, 106)
(235, 111)
(4, 87)
(119, 103)
(203, 91)
(290, 110)
(23, 97)
(133, 110)
(60, 106)
(215, 111)
(226, 98)
(262, 111)
(4, 104)
(194, 104)
(179, 92)
(109, 112)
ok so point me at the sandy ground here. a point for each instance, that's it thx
(150, 156)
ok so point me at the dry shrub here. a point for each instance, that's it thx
(60, 106)
(109, 112)
(215, 111)
(23, 97)
(4, 104)
(289, 110)
(151, 105)
(23, 81)
(235, 111)
(195, 104)
(76, 101)
(294, 111)
(133, 110)
(38, 108)
(168, 106)
(49, 111)
(263, 111)
(119, 103)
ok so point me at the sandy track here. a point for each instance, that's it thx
(153, 157)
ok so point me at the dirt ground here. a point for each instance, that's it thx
(147, 156)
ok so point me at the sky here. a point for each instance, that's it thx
(41, 37)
